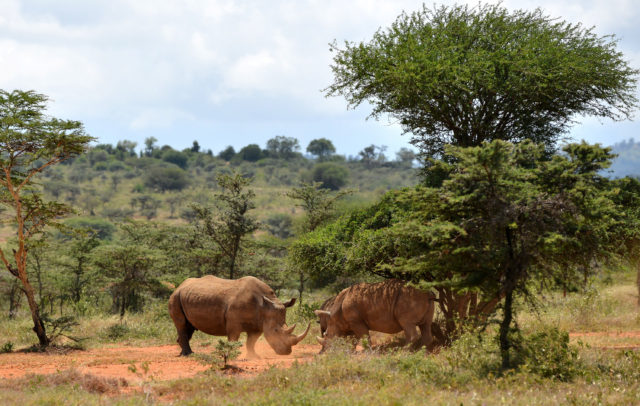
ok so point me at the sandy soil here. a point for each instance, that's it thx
(162, 362)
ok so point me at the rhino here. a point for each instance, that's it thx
(222, 307)
(388, 307)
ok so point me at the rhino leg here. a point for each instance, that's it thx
(251, 344)
(359, 330)
(427, 337)
(185, 333)
(410, 333)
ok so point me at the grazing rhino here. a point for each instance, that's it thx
(387, 307)
(228, 307)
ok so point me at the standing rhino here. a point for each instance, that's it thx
(228, 307)
(387, 307)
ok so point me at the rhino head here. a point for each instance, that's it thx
(278, 335)
(324, 316)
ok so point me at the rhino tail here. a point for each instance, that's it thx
(178, 315)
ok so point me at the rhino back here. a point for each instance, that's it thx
(415, 305)
(380, 306)
(374, 305)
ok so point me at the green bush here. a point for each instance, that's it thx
(279, 225)
(547, 353)
(6, 348)
(332, 176)
(117, 166)
(175, 157)
(103, 228)
(166, 178)
(117, 331)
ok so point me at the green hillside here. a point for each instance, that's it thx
(112, 186)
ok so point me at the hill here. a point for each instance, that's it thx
(628, 161)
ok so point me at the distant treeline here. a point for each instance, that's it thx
(279, 147)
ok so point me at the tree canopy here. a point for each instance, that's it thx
(322, 148)
(463, 75)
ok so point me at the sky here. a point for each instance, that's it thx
(226, 72)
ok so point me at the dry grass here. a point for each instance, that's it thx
(71, 377)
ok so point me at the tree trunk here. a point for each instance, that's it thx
(38, 325)
(638, 281)
(234, 254)
(505, 325)
(14, 299)
(301, 287)
(123, 306)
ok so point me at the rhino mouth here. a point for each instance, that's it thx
(282, 343)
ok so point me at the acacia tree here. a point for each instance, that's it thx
(463, 75)
(229, 223)
(317, 202)
(30, 142)
(283, 147)
(322, 148)
(503, 218)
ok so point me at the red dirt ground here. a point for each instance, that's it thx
(163, 362)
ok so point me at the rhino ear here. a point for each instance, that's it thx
(290, 302)
(268, 301)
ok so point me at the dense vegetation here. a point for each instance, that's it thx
(146, 220)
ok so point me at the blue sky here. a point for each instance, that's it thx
(231, 72)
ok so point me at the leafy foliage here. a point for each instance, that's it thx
(227, 351)
(331, 175)
(166, 178)
(463, 75)
(505, 215)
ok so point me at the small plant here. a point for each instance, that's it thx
(6, 348)
(226, 351)
(144, 366)
(60, 327)
(117, 331)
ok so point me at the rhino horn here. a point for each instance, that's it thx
(322, 312)
(290, 329)
(320, 340)
(297, 339)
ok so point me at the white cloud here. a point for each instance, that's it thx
(158, 118)
(151, 63)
